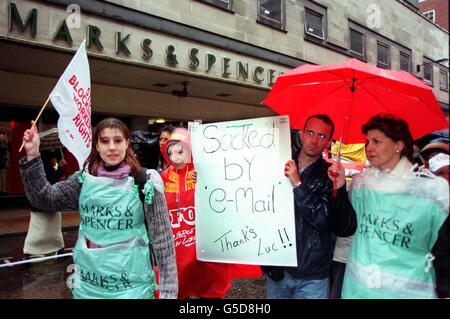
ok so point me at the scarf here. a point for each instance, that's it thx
(119, 171)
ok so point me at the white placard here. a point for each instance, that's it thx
(244, 203)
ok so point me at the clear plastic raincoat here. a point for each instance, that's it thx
(399, 215)
(113, 218)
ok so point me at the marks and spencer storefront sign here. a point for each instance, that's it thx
(126, 42)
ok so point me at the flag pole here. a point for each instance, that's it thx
(37, 118)
(347, 116)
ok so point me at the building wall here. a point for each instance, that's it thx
(441, 11)
(389, 19)
(397, 22)
(110, 97)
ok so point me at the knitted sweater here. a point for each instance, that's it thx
(65, 195)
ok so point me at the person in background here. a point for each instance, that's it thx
(196, 278)
(439, 145)
(44, 235)
(164, 135)
(319, 217)
(55, 171)
(441, 262)
(5, 148)
(441, 250)
(390, 256)
(439, 165)
(112, 251)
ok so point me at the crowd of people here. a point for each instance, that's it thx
(5, 148)
(394, 216)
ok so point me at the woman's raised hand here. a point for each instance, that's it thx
(31, 142)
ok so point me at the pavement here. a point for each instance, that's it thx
(47, 279)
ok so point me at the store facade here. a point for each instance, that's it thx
(138, 73)
(186, 60)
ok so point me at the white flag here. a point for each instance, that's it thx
(71, 97)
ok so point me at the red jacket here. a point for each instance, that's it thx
(195, 278)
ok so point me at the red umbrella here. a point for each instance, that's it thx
(350, 93)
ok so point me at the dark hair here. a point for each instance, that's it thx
(323, 118)
(167, 128)
(395, 128)
(94, 158)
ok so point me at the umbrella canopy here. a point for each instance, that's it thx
(350, 93)
(49, 140)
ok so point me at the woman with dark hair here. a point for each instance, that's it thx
(396, 130)
(118, 134)
(112, 254)
(400, 210)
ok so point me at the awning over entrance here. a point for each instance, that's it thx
(30, 72)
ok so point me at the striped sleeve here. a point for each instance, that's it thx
(162, 237)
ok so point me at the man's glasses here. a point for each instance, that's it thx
(319, 135)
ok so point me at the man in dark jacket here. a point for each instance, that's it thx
(441, 262)
(319, 216)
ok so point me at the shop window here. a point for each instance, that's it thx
(223, 4)
(272, 13)
(428, 73)
(357, 43)
(382, 55)
(314, 24)
(405, 63)
(443, 80)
